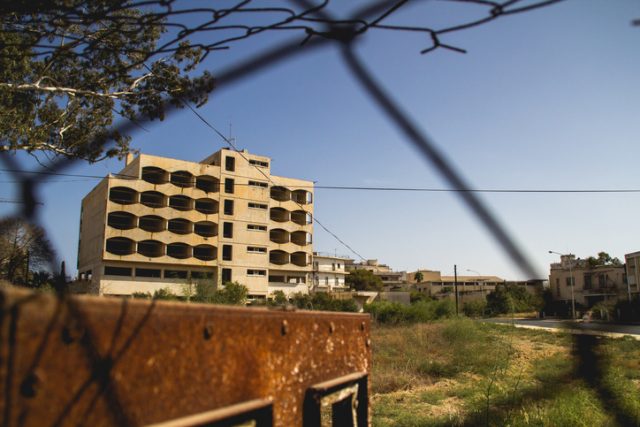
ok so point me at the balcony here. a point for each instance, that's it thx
(301, 238)
(207, 206)
(208, 184)
(180, 226)
(302, 197)
(278, 257)
(151, 223)
(182, 179)
(278, 235)
(301, 217)
(154, 175)
(151, 248)
(205, 252)
(279, 215)
(280, 194)
(121, 220)
(299, 259)
(206, 229)
(181, 203)
(153, 199)
(123, 195)
(120, 246)
(179, 250)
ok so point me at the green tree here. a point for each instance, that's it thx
(363, 280)
(23, 248)
(419, 277)
(279, 298)
(603, 259)
(232, 293)
(68, 66)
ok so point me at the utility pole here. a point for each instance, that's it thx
(455, 285)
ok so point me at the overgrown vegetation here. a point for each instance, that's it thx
(231, 293)
(458, 372)
(393, 313)
(317, 301)
(363, 280)
(509, 298)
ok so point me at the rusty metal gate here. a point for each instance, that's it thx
(106, 361)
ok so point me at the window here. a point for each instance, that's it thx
(338, 266)
(147, 272)
(227, 230)
(175, 274)
(326, 281)
(226, 275)
(227, 252)
(335, 283)
(256, 227)
(230, 163)
(333, 266)
(201, 275)
(228, 207)
(258, 184)
(256, 250)
(228, 185)
(117, 271)
(256, 273)
(258, 163)
(257, 206)
(570, 281)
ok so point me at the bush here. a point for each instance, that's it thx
(512, 299)
(394, 313)
(323, 301)
(475, 308)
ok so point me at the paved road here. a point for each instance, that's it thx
(578, 327)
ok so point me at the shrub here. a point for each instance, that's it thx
(394, 313)
(475, 308)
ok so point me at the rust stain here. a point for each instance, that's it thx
(107, 361)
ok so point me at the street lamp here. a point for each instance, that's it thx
(573, 283)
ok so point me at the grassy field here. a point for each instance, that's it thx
(466, 373)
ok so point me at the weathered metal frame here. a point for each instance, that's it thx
(114, 361)
(347, 396)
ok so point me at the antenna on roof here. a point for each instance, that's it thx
(231, 138)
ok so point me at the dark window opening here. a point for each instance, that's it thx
(121, 220)
(277, 279)
(279, 215)
(228, 185)
(207, 184)
(151, 248)
(120, 246)
(278, 235)
(179, 226)
(182, 179)
(258, 184)
(280, 193)
(175, 274)
(154, 175)
(123, 195)
(257, 206)
(152, 199)
(207, 206)
(181, 203)
(179, 250)
(227, 230)
(205, 229)
(259, 163)
(147, 272)
(256, 227)
(205, 252)
(230, 163)
(226, 275)
(151, 223)
(227, 252)
(228, 207)
(117, 271)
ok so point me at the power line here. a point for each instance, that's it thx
(346, 187)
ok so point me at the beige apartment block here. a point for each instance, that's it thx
(168, 223)
(591, 284)
(632, 262)
(329, 272)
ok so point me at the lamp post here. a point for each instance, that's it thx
(573, 283)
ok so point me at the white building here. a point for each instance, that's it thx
(329, 272)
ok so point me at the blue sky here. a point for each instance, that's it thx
(544, 100)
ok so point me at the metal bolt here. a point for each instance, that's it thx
(363, 326)
(368, 342)
(285, 328)
(332, 327)
(207, 332)
(30, 385)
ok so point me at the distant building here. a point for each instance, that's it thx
(167, 223)
(632, 262)
(591, 283)
(329, 272)
(391, 280)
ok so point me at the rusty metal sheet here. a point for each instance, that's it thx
(107, 361)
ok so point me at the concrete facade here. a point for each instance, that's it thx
(329, 272)
(632, 263)
(167, 223)
(592, 284)
(391, 280)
